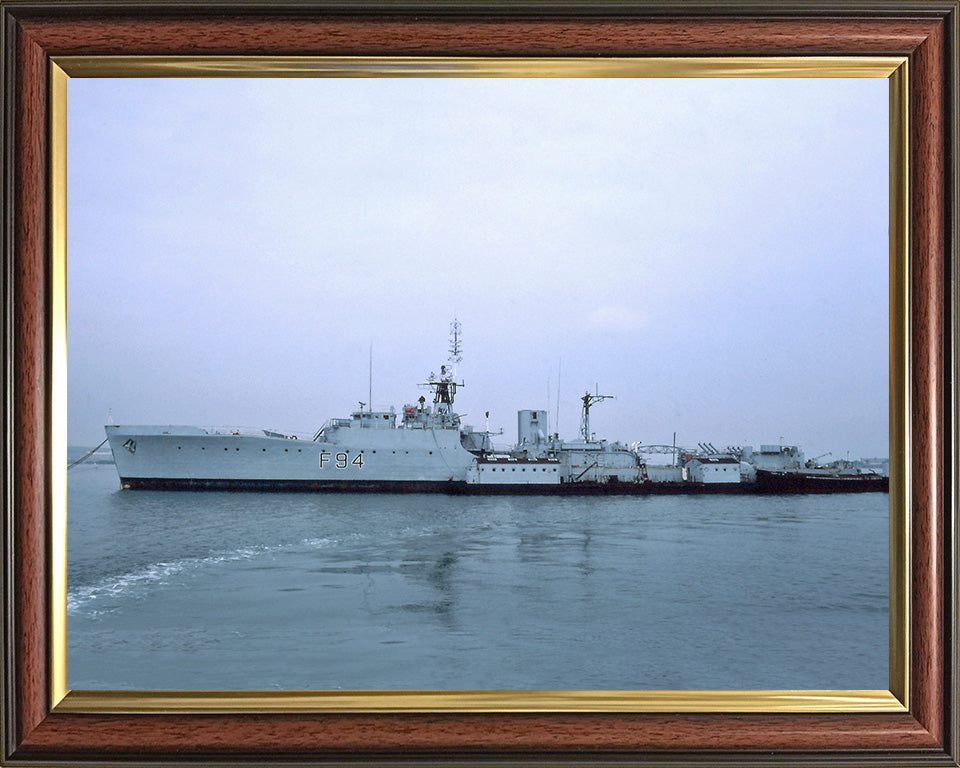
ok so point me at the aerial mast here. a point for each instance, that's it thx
(455, 349)
(588, 400)
(445, 385)
(556, 423)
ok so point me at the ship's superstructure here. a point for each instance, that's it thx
(429, 450)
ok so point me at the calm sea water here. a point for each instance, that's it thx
(314, 591)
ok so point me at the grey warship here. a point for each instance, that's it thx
(427, 449)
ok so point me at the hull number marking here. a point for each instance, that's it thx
(340, 460)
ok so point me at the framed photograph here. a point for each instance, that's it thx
(413, 249)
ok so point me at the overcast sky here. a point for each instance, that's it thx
(713, 253)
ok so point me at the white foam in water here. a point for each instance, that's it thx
(118, 585)
(137, 583)
(316, 543)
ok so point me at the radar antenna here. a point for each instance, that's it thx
(445, 385)
(588, 400)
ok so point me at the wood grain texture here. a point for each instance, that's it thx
(927, 160)
(30, 419)
(429, 37)
(299, 734)
(919, 734)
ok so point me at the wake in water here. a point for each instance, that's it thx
(93, 600)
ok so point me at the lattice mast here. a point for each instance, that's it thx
(455, 349)
(445, 385)
(589, 399)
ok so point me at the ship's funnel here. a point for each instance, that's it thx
(532, 427)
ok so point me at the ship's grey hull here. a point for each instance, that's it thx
(378, 461)
(190, 457)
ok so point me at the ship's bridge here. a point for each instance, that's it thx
(373, 419)
(423, 416)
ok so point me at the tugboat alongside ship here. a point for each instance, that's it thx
(431, 450)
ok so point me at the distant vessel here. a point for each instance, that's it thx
(430, 450)
(820, 480)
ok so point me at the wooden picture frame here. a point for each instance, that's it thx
(38, 729)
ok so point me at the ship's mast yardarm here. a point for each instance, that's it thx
(589, 400)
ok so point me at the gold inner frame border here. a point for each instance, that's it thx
(894, 69)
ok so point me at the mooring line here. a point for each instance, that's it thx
(87, 455)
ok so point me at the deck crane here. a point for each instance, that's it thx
(588, 400)
(813, 462)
